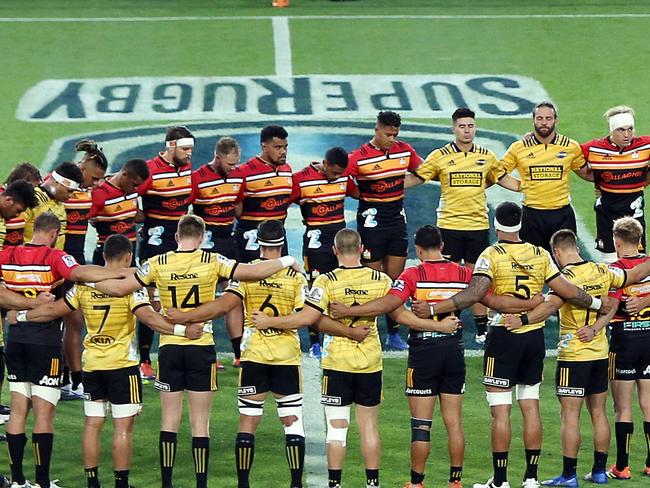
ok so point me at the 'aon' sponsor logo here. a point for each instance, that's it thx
(48, 381)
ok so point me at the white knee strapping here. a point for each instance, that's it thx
(95, 409)
(252, 408)
(22, 387)
(125, 410)
(337, 434)
(288, 406)
(528, 392)
(496, 398)
(47, 393)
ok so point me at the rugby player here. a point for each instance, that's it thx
(166, 196)
(110, 371)
(619, 163)
(464, 170)
(581, 374)
(57, 188)
(629, 349)
(34, 355)
(512, 358)
(436, 363)
(320, 190)
(216, 192)
(93, 166)
(380, 167)
(186, 278)
(115, 205)
(544, 160)
(12, 229)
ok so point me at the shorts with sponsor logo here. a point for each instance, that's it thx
(257, 378)
(121, 386)
(32, 363)
(435, 368)
(341, 388)
(537, 226)
(248, 248)
(605, 217)
(464, 245)
(629, 358)
(379, 242)
(513, 359)
(190, 367)
(581, 378)
(157, 237)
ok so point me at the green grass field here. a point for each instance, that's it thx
(587, 55)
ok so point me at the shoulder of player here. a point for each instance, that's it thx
(565, 141)
(483, 151)
(41, 195)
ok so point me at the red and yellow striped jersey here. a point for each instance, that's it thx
(624, 324)
(168, 192)
(321, 201)
(14, 231)
(265, 190)
(215, 199)
(113, 212)
(77, 208)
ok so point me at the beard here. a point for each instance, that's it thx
(544, 131)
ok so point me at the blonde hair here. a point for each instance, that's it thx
(347, 241)
(191, 226)
(619, 109)
(628, 229)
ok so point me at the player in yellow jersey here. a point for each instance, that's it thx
(544, 161)
(582, 353)
(512, 358)
(464, 170)
(185, 278)
(110, 358)
(57, 188)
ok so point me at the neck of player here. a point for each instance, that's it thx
(627, 250)
(430, 255)
(464, 146)
(189, 244)
(349, 261)
(270, 252)
(568, 257)
(508, 236)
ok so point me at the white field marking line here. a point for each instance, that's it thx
(314, 421)
(282, 45)
(323, 17)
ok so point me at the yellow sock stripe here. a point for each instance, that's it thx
(37, 454)
(628, 441)
(11, 461)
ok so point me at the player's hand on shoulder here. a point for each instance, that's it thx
(421, 309)
(194, 331)
(358, 333)
(338, 310)
(449, 325)
(43, 298)
(512, 322)
(11, 316)
(260, 320)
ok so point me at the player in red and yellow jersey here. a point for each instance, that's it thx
(320, 190)
(216, 192)
(115, 205)
(629, 348)
(93, 166)
(619, 163)
(380, 167)
(544, 161)
(166, 196)
(14, 227)
(57, 188)
(265, 190)
(34, 359)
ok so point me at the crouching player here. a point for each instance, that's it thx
(110, 358)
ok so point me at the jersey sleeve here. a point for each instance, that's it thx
(146, 273)
(144, 187)
(617, 276)
(497, 169)
(71, 298)
(509, 161)
(300, 292)
(63, 264)
(139, 298)
(485, 265)
(319, 294)
(415, 160)
(295, 189)
(428, 170)
(578, 160)
(98, 202)
(225, 267)
(351, 187)
(237, 288)
(387, 282)
(585, 146)
(353, 166)
(405, 285)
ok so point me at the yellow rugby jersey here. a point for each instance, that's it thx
(544, 170)
(110, 341)
(3, 231)
(45, 204)
(596, 279)
(185, 280)
(518, 269)
(463, 179)
(278, 295)
(350, 286)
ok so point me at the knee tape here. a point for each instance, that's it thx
(95, 409)
(47, 393)
(496, 398)
(337, 434)
(252, 408)
(22, 387)
(288, 406)
(528, 392)
(420, 430)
